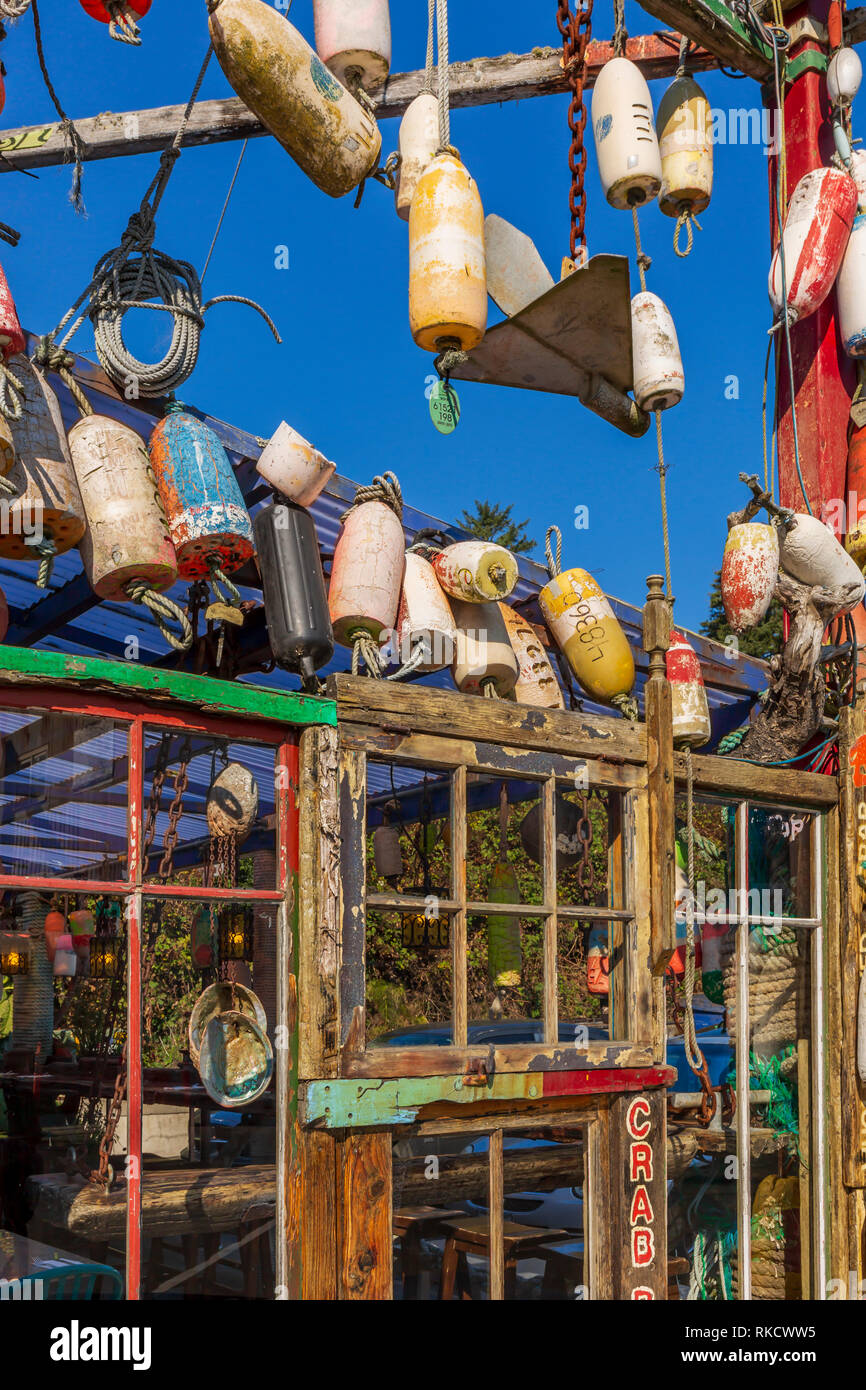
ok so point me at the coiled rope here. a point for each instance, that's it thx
(46, 550)
(134, 274)
(11, 404)
(13, 9)
(385, 487)
(123, 26)
(164, 610)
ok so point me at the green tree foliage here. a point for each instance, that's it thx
(761, 641)
(490, 522)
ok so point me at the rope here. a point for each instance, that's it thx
(488, 689)
(162, 609)
(430, 68)
(225, 208)
(11, 390)
(731, 741)
(688, 220)
(46, 550)
(444, 92)
(694, 1056)
(13, 9)
(619, 30)
(57, 359)
(123, 26)
(554, 562)
(74, 148)
(217, 577)
(661, 469)
(643, 260)
(684, 52)
(363, 647)
(385, 487)
(133, 274)
(411, 665)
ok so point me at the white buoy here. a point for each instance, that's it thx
(626, 144)
(353, 39)
(484, 656)
(851, 291)
(809, 552)
(424, 618)
(476, 571)
(293, 467)
(418, 143)
(844, 75)
(367, 573)
(659, 381)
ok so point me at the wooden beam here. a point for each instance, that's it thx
(480, 82)
(713, 25)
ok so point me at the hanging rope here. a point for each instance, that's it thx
(430, 66)
(643, 260)
(45, 548)
(132, 275)
(488, 689)
(684, 53)
(554, 561)
(444, 91)
(694, 1056)
(11, 390)
(123, 26)
(217, 578)
(57, 359)
(411, 665)
(662, 469)
(164, 611)
(620, 35)
(225, 208)
(74, 148)
(688, 220)
(13, 9)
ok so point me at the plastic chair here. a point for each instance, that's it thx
(74, 1283)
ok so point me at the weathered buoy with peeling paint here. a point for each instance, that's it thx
(851, 291)
(588, 634)
(418, 143)
(809, 552)
(484, 659)
(447, 264)
(855, 540)
(424, 618)
(284, 82)
(659, 380)
(367, 573)
(127, 535)
(598, 961)
(476, 571)
(293, 467)
(353, 39)
(750, 569)
(691, 713)
(626, 144)
(232, 803)
(46, 497)
(207, 516)
(820, 217)
(685, 148)
(12, 338)
(536, 685)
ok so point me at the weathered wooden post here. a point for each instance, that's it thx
(660, 774)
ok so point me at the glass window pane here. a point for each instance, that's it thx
(544, 1233)
(780, 863)
(585, 832)
(505, 968)
(409, 978)
(504, 840)
(218, 798)
(408, 830)
(441, 1218)
(63, 795)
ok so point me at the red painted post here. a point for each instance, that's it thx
(824, 378)
(134, 1073)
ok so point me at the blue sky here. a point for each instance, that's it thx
(348, 374)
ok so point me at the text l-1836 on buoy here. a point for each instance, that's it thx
(588, 633)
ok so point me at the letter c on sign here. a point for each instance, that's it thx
(637, 1129)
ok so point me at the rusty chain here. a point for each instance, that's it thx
(175, 810)
(159, 771)
(576, 31)
(584, 833)
(104, 1174)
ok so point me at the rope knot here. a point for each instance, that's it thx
(385, 488)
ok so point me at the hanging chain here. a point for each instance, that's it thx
(576, 31)
(584, 832)
(104, 1174)
(175, 810)
(159, 771)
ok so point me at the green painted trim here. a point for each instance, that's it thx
(808, 61)
(348, 1103)
(724, 16)
(210, 696)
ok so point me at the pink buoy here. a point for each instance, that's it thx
(820, 217)
(367, 573)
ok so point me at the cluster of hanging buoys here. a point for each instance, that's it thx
(120, 16)
(587, 632)
(327, 131)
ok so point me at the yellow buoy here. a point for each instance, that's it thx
(447, 266)
(278, 76)
(588, 633)
(683, 126)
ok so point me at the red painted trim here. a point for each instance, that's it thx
(121, 887)
(172, 716)
(134, 1088)
(288, 828)
(576, 1083)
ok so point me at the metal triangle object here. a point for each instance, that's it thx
(573, 340)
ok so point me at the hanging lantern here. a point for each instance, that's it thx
(236, 933)
(15, 950)
(104, 956)
(447, 261)
(425, 930)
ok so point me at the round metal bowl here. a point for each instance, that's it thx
(222, 997)
(236, 1061)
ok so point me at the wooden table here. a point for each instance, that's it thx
(411, 1224)
(471, 1236)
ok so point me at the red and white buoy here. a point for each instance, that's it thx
(691, 713)
(424, 619)
(820, 217)
(476, 571)
(12, 338)
(750, 569)
(367, 573)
